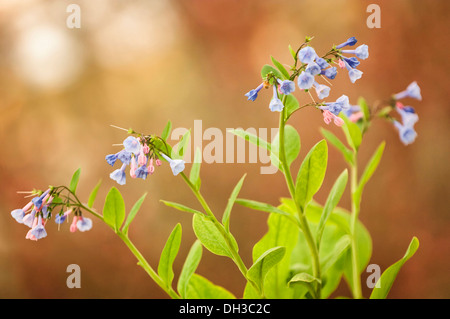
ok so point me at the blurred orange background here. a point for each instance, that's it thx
(141, 63)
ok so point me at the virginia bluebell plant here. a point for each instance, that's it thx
(309, 248)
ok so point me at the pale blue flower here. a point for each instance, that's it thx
(305, 81)
(330, 73)
(353, 62)
(353, 74)
(322, 63)
(322, 90)
(412, 91)
(119, 175)
(275, 103)
(111, 159)
(307, 55)
(361, 52)
(407, 133)
(18, 215)
(341, 104)
(84, 224)
(142, 172)
(39, 230)
(409, 116)
(253, 94)
(132, 145)
(313, 68)
(60, 218)
(286, 86)
(350, 42)
(176, 165)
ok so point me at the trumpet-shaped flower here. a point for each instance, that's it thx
(286, 86)
(38, 231)
(84, 224)
(119, 175)
(330, 73)
(305, 80)
(361, 52)
(132, 145)
(275, 103)
(307, 55)
(322, 90)
(253, 94)
(350, 42)
(328, 117)
(407, 133)
(176, 165)
(313, 69)
(412, 91)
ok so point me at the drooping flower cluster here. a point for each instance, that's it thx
(311, 69)
(38, 211)
(408, 115)
(141, 154)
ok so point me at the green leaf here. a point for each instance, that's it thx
(181, 146)
(370, 169)
(133, 213)
(74, 181)
(168, 255)
(181, 207)
(114, 209)
(387, 278)
(93, 194)
(166, 132)
(258, 271)
(194, 175)
(336, 142)
(263, 207)
(231, 200)
(251, 138)
(311, 174)
(292, 51)
(266, 69)
(281, 232)
(291, 146)
(339, 249)
(352, 132)
(189, 267)
(213, 239)
(281, 68)
(364, 108)
(201, 288)
(333, 199)
(291, 104)
(306, 280)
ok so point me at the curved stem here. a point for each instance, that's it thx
(141, 260)
(235, 255)
(290, 183)
(356, 280)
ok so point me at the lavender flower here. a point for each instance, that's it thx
(322, 90)
(253, 94)
(119, 175)
(350, 42)
(132, 145)
(412, 91)
(305, 80)
(361, 52)
(176, 165)
(307, 55)
(275, 103)
(286, 87)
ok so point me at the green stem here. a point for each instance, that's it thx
(235, 255)
(141, 260)
(290, 183)
(356, 280)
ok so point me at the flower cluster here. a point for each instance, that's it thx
(142, 155)
(37, 212)
(313, 66)
(407, 113)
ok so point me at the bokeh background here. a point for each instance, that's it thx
(140, 63)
